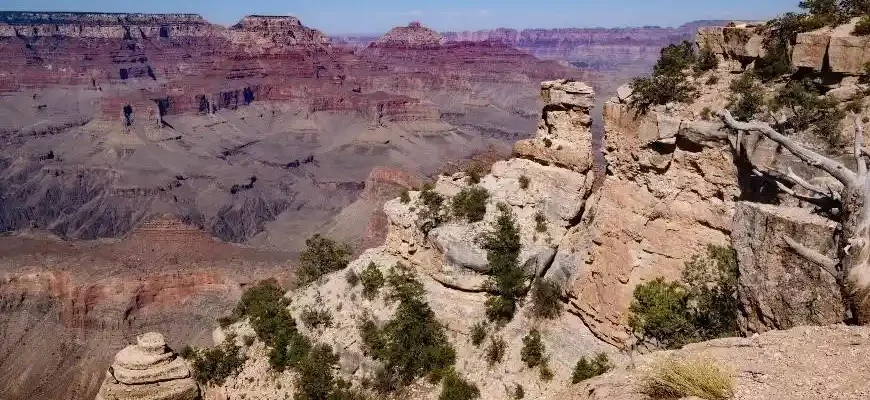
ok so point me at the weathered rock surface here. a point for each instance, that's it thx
(148, 370)
(834, 48)
(806, 363)
(778, 288)
(564, 136)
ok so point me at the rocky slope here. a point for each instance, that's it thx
(677, 181)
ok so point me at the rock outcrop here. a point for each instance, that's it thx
(806, 363)
(834, 49)
(148, 370)
(564, 136)
(415, 35)
(778, 288)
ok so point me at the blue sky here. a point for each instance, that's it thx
(374, 16)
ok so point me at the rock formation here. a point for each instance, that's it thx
(414, 35)
(148, 370)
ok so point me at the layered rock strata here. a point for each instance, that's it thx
(832, 49)
(148, 370)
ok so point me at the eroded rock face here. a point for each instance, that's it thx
(148, 370)
(564, 136)
(668, 194)
(778, 288)
(834, 48)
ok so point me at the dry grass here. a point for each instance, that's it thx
(676, 378)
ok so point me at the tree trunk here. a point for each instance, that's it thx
(854, 248)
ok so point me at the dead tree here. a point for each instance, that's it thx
(851, 269)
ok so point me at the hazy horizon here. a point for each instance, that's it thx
(349, 17)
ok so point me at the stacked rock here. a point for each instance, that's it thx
(564, 133)
(148, 370)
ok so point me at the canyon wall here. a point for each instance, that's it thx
(258, 132)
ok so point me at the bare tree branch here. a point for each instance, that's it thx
(797, 180)
(828, 264)
(821, 199)
(859, 146)
(833, 167)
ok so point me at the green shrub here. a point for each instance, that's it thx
(315, 380)
(533, 349)
(706, 113)
(288, 348)
(248, 340)
(775, 63)
(669, 82)
(524, 182)
(856, 105)
(544, 372)
(712, 283)
(712, 80)
(672, 314)
(212, 366)
(675, 59)
(431, 211)
(258, 300)
(658, 312)
(470, 204)
(413, 343)
(706, 60)
(546, 299)
(478, 333)
(373, 342)
(474, 171)
(372, 281)
(403, 284)
(811, 112)
(454, 387)
(519, 392)
(540, 222)
(321, 256)
(674, 378)
(588, 369)
(503, 247)
(405, 197)
(660, 90)
(496, 350)
(548, 143)
(351, 277)
(862, 28)
(225, 321)
(265, 305)
(746, 98)
(314, 319)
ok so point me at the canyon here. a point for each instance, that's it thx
(679, 181)
(155, 166)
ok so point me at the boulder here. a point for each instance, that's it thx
(844, 93)
(779, 289)
(624, 92)
(810, 49)
(148, 370)
(846, 53)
